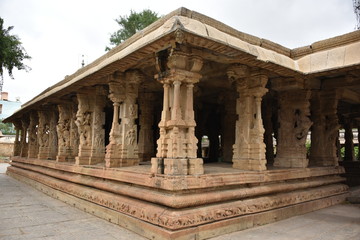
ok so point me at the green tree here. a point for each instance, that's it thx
(12, 53)
(7, 128)
(131, 24)
(356, 4)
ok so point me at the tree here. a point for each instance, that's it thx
(12, 53)
(131, 24)
(7, 128)
(356, 4)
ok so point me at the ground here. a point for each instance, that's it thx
(29, 214)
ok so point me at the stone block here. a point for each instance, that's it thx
(196, 166)
(176, 166)
(157, 165)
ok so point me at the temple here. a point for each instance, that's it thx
(191, 129)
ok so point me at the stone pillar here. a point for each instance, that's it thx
(63, 132)
(53, 139)
(177, 144)
(325, 128)
(249, 147)
(74, 133)
(84, 119)
(228, 126)
(123, 147)
(17, 143)
(117, 96)
(47, 136)
(349, 144)
(98, 122)
(146, 122)
(33, 139)
(294, 125)
(24, 135)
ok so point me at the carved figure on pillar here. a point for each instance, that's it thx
(83, 122)
(98, 122)
(24, 136)
(33, 139)
(294, 123)
(63, 130)
(47, 136)
(177, 145)
(325, 128)
(17, 143)
(249, 147)
(123, 147)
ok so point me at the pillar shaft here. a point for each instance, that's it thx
(146, 141)
(47, 135)
(123, 147)
(177, 144)
(64, 133)
(294, 125)
(249, 147)
(33, 140)
(24, 136)
(325, 128)
(17, 143)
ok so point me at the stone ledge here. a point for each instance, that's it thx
(181, 199)
(176, 219)
(140, 175)
(201, 232)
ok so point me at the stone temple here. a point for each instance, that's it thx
(124, 137)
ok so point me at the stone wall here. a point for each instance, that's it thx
(6, 149)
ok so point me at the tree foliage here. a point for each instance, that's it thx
(12, 53)
(131, 24)
(356, 4)
(7, 128)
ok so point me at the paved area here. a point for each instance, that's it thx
(26, 213)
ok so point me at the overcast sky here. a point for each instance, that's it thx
(57, 33)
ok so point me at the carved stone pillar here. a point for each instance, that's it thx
(17, 142)
(24, 135)
(74, 133)
(63, 132)
(146, 122)
(325, 128)
(98, 122)
(33, 139)
(117, 95)
(47, 135)
(249, 147)
(43, 135)
(123, 147)
(349, 144)
(84, 117)
(294, 125)
(177, 144)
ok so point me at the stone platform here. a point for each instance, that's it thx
(157, 206)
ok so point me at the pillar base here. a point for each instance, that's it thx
(291, 162)
(249, 164)
(121, 162)
(323, 161)
(177, 166)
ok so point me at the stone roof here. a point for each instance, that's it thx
(326, 55)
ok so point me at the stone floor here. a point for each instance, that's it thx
(26, 213)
